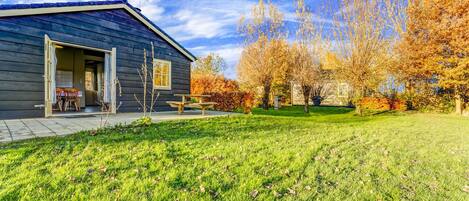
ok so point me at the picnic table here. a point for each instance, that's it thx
(187, 102)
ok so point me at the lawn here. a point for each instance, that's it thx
(329, 154)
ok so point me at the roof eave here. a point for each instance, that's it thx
(126, 6)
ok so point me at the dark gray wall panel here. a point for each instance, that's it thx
(22, 56)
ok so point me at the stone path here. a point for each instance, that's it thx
(20, 129)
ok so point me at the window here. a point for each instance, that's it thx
(161, 74)
(64, 79)
(343, 90)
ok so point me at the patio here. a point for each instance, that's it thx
(20, 129)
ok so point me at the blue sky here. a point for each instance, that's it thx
(204, 26)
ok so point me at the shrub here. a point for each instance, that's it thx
(204, 84)
(231, 101)
(435, 103)
(248, 102)
(382, 104)
(142, 121)
(398, 104)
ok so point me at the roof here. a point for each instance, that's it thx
(46, 8)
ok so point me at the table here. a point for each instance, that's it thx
(67, 97)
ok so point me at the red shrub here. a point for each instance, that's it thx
(371, 103)
(398, 104)
(248, 102)
(230, 101)
(203, 84)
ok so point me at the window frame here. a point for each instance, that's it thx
(156, 62)
(342, 87)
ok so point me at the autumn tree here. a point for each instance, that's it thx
(362, 45)
(436, 46)
(305, 53)
(207, 76)
(212, 64)
(263, 62)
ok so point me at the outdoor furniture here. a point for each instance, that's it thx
(68, 98)
(186, 102)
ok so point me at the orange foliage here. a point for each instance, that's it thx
(223, 91)
(382, 104)
(204, 84)
(230, 101)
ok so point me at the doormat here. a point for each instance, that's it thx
(79, 116)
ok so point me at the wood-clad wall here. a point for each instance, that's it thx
(22, 56)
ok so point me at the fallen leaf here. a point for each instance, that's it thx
(254, 193)
(103, 169)
(276, 194)
(291, 191)
(466, 189)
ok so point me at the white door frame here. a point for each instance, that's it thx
(49, 42)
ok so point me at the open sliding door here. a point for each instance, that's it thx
(110, 80)
(49, 75)
(114, 80)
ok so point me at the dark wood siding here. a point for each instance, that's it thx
(22, 56)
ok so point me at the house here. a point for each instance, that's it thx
(334, 93)
(73, 58)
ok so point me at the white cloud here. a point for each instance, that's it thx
(150, 8)
(229, 52)
(197, 25)
(206, 19)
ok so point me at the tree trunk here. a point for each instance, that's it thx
(266, 97)
(410, 93)
(459, 102)
(306, 97)
(358, 109)
(358, 104)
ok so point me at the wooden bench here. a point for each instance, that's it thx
(178, 105)
(199, 105)
(202, 106)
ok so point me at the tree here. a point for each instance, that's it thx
(261, 64)
(306, 53)
(212, 64)
(263, 61)
(267, 22)
(363, 47)
(435, 46)
(207, 77)
(412, 52)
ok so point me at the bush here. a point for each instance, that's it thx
(231, 101)
(248, 102)
(382, 104)
(436, 103)
(142, 121)
(204, 84)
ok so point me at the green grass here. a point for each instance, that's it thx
(329, 154)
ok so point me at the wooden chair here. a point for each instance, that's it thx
(72, 98)
(59, 94)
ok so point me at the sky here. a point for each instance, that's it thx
(205, 26)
